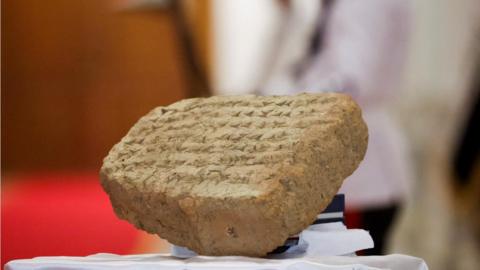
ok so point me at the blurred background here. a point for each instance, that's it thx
(76, 75)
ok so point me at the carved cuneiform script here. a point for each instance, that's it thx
(187, 170)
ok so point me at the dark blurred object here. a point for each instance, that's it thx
(466, 163)
(197, 57)
(468, 152)
(77, 75)
(379, 223)
(192, 27)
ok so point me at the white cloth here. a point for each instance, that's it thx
(363, 54)
(317, 245)
(166, 262)
(332, 239)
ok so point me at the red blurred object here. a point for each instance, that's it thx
(353, 219)
(60, 214)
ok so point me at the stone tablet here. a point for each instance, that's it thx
(234, 175)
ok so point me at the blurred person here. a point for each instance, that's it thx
(359, 48)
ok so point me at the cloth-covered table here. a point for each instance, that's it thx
(165, 261)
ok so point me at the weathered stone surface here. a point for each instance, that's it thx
(234, 175)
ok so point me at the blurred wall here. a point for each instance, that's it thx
(77, 74)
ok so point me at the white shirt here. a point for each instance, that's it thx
(363, 54)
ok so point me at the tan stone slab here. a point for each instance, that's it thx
(234, 175)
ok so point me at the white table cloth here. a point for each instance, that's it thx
(167, 262)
